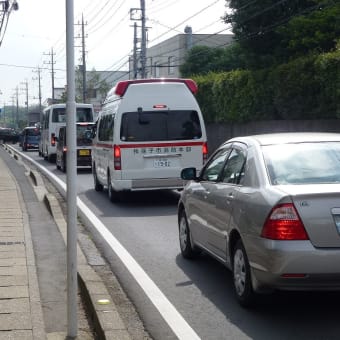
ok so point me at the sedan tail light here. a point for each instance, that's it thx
(284, 223)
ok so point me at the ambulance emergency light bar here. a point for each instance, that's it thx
(122, 86)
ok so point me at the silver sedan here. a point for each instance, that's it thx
(268, 207)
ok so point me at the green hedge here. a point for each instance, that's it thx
(306, 88)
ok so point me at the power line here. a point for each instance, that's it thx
(181, 23)
(101, 22)
(29, 67)
(108, 33)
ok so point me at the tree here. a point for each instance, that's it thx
(266, 28)
(201, 60)
(93, 84)
(316, 31)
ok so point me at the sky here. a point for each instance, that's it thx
(39, 26)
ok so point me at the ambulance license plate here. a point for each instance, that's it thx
(161, 163)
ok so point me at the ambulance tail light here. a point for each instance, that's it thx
(205, 152)
(53, 141)
(117, 161)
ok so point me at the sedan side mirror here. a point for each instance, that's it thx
(189, 174)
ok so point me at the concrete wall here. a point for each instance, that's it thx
(218, 133)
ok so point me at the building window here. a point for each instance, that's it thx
(150, 67)
(171, 65)
(92, 93)
(156, 70)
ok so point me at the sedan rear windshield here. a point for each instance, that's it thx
(160, 126)
(32, 132)
(303, 163)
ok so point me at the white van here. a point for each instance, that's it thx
(147, 132)
(54, 117)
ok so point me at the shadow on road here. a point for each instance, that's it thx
(282, 315)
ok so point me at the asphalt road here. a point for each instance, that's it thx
(201, 290)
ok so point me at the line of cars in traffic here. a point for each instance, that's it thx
(266, 206)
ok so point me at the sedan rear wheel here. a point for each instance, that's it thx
(187, 249)
(242, 276)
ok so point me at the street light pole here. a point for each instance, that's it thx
(71, 178)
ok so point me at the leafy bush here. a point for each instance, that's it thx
(305, 88)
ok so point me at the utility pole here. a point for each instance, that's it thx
(84, 62)
(52, 62)
(142, 49)
(83, 53)
(6, 7)
(71, 178)
(38, 71)
(135, 50)
(12, 119)
(26, 93)
(17, 107)
(143, 43)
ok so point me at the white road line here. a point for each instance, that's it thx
(170, 314)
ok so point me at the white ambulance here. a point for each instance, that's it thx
(147, 132)
(53, 118)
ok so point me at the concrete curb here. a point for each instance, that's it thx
(38, 328)
(106, 320)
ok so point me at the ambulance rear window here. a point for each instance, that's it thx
(160, 126)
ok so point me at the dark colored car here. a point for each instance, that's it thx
(8, 135)
(30, 138)
(84, 146)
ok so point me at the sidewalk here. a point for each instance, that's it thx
(32, 278)
(20, 307)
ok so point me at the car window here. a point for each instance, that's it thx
(59, 115)
(213, 169)
(233, 171)
(84, 135)
(106, 128)
(303, 163)
(160, 126)
(32, 132)
(84, 114)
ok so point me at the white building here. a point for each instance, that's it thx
(165, 58)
